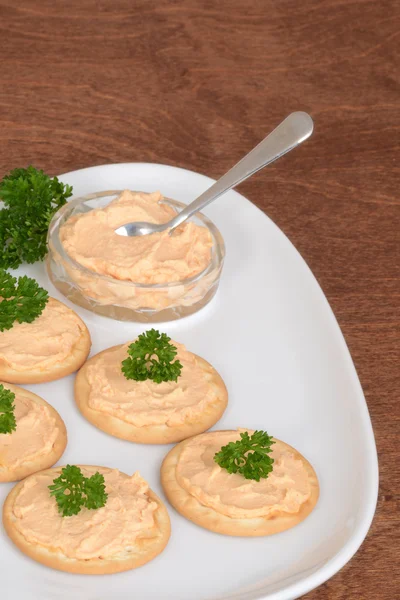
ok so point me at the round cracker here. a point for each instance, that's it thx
(44, 461)
(151, 434)
(206, 517)
(70, 364)
(141, 552)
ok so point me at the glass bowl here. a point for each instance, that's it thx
(125, 300)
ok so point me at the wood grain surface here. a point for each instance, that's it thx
(196, 84)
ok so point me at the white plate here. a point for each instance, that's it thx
(273, 337)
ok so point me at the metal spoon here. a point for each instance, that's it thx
(294, 130)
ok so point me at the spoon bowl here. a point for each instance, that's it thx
(139, 228)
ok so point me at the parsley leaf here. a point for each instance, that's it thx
(8, 423)
(150, 357)
(72, 491)
(30, 200)
(71, 480)
(95, 490)
(248, 456)
(20, 301)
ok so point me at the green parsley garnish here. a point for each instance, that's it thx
(7, 417)
(30, 200)
(150, 357)
(72, 491)
(20, 301)
(248, 456)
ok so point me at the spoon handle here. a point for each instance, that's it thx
(294, 130)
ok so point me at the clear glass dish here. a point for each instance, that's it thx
(125, 300)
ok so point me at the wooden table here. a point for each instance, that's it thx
(196, 84)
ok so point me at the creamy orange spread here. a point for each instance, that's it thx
(48, 340)
(90, 239)
(146, 402)
(35, 434)
(284, 490)
(109, 531)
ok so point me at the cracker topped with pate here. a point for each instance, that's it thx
(240, 483)
(32, 434)
(89, 520)
(150, 391)
(41, 339)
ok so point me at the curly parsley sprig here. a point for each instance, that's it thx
(8, 424)
(30, 200)
(73, 491)
(248, 456)
(152, 357)
(22, 301)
